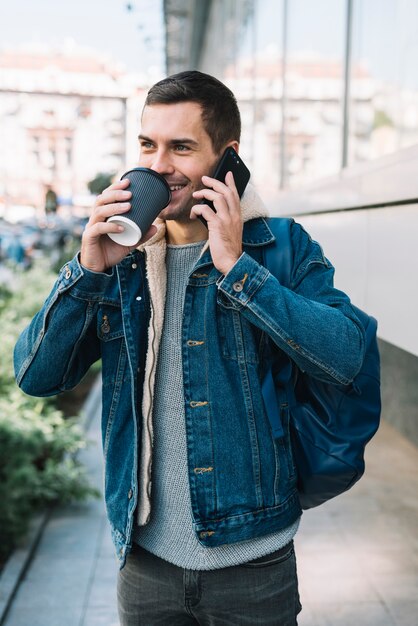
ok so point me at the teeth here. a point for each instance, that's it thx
(176, 187)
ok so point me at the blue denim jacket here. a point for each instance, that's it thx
(242, 479)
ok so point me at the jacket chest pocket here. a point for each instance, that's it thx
(109, 323)
(239, 339)
(113, 348)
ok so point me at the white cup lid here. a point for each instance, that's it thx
(130, 236)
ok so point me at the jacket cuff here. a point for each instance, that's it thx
(83, 282)
(243, 280)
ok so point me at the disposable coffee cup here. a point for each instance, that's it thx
(150, 195)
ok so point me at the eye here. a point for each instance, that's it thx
(181, 147)
(146, 145)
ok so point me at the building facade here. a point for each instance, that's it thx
(329, 97)
(65, 116)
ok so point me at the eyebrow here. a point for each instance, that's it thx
(173, 142)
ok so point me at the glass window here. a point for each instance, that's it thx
(384, 79)
(315, 89)
(311, 111)
(258, 86)
(252, 67)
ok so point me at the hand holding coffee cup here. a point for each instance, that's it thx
(150, 195)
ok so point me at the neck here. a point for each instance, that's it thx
(178, 233)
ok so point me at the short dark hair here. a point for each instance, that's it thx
(220, 113)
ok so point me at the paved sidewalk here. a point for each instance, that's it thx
(71, 580)
(357, 555)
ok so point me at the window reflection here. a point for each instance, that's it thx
(315, 69)
(285, 60)
(384, 83)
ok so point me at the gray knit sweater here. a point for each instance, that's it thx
(169, 533)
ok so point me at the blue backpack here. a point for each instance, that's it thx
(330, 425)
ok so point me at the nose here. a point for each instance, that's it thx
(161, 163)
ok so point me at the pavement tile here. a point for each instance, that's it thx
(106, 546)
(319, 540)
(390, 562)
(374, 533)
(45, 568)
(306, 617)
(331, 589)
(101, 616)
(65, 591)
(353, 614)
(311, 564)
(103, 589)
(405, 613)
(356, 501)
(45, 616)
(77, 536)
(393, 589)
(103, 594)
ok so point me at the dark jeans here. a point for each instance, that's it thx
(153, 592)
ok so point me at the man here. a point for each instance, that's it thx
(201, 497)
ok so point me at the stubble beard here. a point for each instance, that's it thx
(180, 214)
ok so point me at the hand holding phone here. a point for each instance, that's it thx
(229, 162)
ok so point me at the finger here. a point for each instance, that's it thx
(227, 190)
(203, 210)
(230, 182)
(113, 195)
(218, 185)
(219, 201)
(235, 203)
(119, 184)
(208, 194)
(102, 228)
(102, 213)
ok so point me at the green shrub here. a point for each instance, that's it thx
(5, 295)
(38, 447)
(100, 182)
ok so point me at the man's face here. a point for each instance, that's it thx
(174, 143)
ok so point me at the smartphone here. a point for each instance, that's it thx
(229, 162)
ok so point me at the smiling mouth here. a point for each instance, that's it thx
(176, 187)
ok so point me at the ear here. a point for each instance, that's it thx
(233, 144)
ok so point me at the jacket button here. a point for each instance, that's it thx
(206, 533)
(130, 494)
(237, 287)
(68, 273)
(134, 266)
(105, 326)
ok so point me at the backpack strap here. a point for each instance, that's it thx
(278, 259)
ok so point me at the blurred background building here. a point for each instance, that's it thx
(328, 92)
(56, 105)
(329, 97)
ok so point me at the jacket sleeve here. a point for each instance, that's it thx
(311, 321)
(60, 344)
